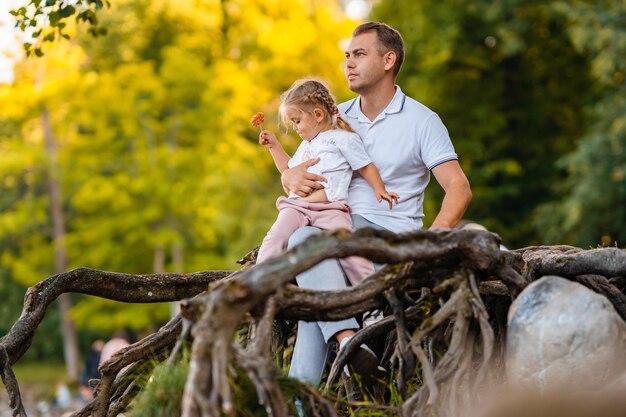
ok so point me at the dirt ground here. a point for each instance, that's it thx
(36, 403)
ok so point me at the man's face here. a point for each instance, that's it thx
(365, 66)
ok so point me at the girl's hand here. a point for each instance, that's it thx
(387, 196)
(267, 139)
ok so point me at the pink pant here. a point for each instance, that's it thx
(294, 213)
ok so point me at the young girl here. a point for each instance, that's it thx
(312, 111)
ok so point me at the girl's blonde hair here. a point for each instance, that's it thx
(306, 95)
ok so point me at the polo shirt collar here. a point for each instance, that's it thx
(395, 106)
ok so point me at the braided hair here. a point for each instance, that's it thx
(307, 95)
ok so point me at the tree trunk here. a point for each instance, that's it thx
(70, 340)
(178, 261)
(158, 261)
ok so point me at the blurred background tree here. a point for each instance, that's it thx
(518, 84)
(159, 168)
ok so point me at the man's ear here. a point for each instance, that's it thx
(390, 60)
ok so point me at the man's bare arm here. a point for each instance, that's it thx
(301, 182)
(458, 194)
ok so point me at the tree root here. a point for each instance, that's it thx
(117, 388)
(607, 262)
(451, 382)
(227, 304)
(258, 364)
(111, 285)
(455, 268)
(601, 285)
(10, 382)
(403, 354)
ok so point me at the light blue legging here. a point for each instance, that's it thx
(311, 348)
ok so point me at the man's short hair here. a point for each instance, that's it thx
(388, 37)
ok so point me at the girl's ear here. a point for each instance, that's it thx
(319, 114)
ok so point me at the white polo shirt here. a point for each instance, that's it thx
(405, 142)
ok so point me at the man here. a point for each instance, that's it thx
(406, 141)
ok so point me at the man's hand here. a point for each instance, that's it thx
(387, 196)
(301, 182)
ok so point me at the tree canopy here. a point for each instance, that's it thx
(530, 92)
(159, 167)
(160, 170)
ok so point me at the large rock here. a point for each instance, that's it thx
(562, 335)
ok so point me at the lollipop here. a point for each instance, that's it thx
(257, 120)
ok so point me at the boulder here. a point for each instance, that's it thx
(563, 336)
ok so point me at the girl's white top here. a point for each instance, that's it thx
(340, 153)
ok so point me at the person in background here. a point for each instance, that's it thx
(90, 370)
(118, 341)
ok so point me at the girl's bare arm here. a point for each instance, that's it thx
(280, 157)
(372, 176)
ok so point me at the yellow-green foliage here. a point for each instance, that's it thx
(159, 167)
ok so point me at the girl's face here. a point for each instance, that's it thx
(307, 124)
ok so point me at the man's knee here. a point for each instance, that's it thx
(359, 222)
(301, 235)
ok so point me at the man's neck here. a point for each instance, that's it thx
(375, 101)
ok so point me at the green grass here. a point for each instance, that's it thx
(40, 372)
(40, 378)
(163, 390)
